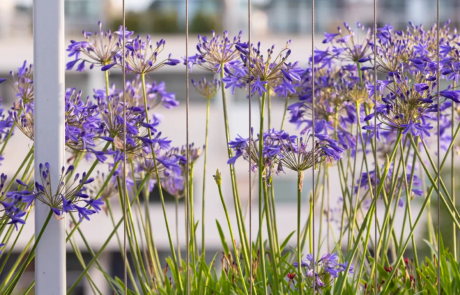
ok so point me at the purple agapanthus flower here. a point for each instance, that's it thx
(327, 270)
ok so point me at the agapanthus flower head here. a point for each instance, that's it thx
(180, 155)
(83, 125)
(102, 189)
(337, 91)
(111, 113)
(155, 92)
(23, 84)
(272, 143)
(6, 122)
(215, 52)
(69, 195)
(271, 70)
(25, 122)
(167, 162)
(298, 155)
(408, 105)
(142, 57)
(12, 202)
(207, 89)
(327, 270)
(82, 120)
(98, 48)
(368, 179)
(174, 184)
(347, 45)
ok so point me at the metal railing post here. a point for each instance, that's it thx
(49, 88)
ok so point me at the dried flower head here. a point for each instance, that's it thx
(207, 89)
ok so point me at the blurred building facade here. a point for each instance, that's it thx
(269, 16)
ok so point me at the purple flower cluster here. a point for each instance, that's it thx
(99, 48)
(369, 179)
(327, 269)
(13, 202)
(70, 194)
(408, 93)
(6, 122)
(283, 150)
(215, 52)
(405, 97)
(155, 92)
(141, 57)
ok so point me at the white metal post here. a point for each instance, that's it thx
(49, 88)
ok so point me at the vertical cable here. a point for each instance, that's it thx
(187, 102)
(376, 198)
(250, 143)
(438, 76)
(125, 203)
(313, 135)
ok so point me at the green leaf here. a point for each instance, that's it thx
(286, 241)
(428, 284)
(222, 238)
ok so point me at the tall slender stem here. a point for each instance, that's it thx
(218, 182)
(286, 103)
(269, 103)
(236, 198)
(273, 252)
(192, 241)
(299, 249)
(203, 211)
(452, 179)
(177, 229)
(29, 258)
(160, 189)
(261, 173)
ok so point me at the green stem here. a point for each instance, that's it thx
(299, 249)
(369, 216)
(10, 133)
(101, 190)
(408, 188)
(171, 245)
(19, 259)
(131, 236)
(273, 252)
(177, 230)
(203, 245)
(218, 182)
(261, 172)
(286, 103)
(203, 203)
(403, 248)
(29, 258)
(95, 257)
(194, 250)
(236, 198)
(14, 243)
(269, 103)
(452, 179)
(29, 155)
(351, 232)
